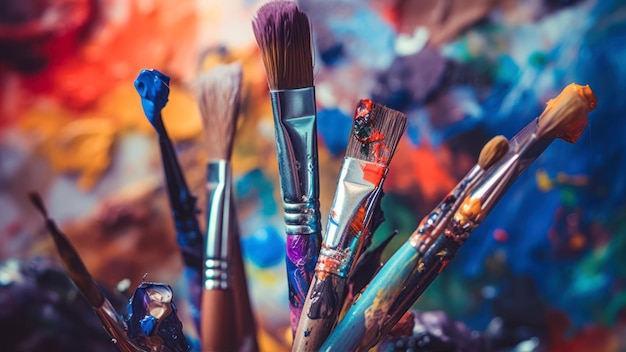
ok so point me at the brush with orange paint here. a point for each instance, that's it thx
(418, 262)
(373, 141)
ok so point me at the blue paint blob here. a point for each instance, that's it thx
(147, 324)
(334, 127)
(367, 38)
(333, 54)
(255, 186)
(264, 247)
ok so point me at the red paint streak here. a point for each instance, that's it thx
(444, 263)
(423, 168)
(381, 153)
(357, 224)
(500, 235)
(372, 172)
(364, 108)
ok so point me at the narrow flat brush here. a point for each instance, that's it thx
(373, 141)
(283, 35)
(436, 242)
(153, 88)
(89, 289)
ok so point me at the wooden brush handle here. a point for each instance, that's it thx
(320, 312)
(219, 331)
(246, 325)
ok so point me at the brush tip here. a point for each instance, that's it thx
(566, 115)
(219, 98)
(153, 88)
(283, 34)
(36, 200)
(71, 260)
(376, 132)
(493, 151)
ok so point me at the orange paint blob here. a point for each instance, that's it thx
(566, 115)
(468, 210)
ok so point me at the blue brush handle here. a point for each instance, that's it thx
(389, 295)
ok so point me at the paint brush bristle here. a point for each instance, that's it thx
(375, 133)
(219, 95)
(71, 260)
(283, 34)
(566, 115)
(492, 152)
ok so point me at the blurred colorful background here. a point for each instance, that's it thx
(545, 272)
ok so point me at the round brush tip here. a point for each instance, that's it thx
(493, 151)
(566, 115)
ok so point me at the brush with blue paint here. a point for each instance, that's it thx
(153, 88)
(283, 35)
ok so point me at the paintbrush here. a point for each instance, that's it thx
(430, 248)
(219, 98)
(283, 35)
(89, 289)
(153, 88)
(373, 141)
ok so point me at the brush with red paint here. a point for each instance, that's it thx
(373, 141)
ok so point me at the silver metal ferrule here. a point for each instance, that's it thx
(355, 190)
(218, 241)
(524, 149)
(295, 125)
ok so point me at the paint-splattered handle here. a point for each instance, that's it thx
(392, 292)
(364, 319)
(320, 311)
(430, 265)
(301, 258)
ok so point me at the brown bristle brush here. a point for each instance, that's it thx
(227, 321)
(371, 145)
(283, 34)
